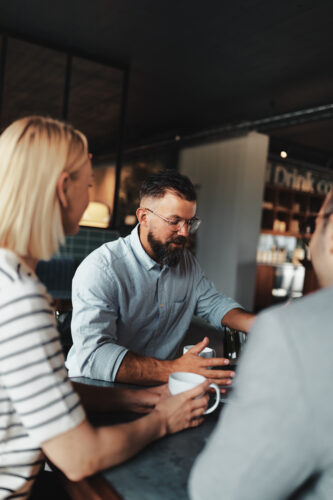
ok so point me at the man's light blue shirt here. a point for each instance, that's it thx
(124, 300)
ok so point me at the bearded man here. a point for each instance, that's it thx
(134, 298)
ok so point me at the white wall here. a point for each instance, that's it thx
(230, 176)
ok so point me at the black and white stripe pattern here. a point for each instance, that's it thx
(37, 401)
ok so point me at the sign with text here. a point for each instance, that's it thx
(295, 178)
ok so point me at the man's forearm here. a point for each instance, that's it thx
(136, 369)
(238, 319)
(149, 371)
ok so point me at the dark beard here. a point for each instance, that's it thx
(165, 255)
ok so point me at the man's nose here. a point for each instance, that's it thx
(183, 229)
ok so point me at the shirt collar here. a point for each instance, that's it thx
(139, 251)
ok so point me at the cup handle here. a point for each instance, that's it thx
(212, 408)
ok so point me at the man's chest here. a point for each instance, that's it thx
(154, 296)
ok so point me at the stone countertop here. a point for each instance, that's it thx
(162, 469)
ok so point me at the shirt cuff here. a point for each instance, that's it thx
(217, 315)
(106, 362)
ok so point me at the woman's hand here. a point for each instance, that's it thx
(145, 400)
(184, 410)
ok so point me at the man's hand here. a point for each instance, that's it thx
(192, 362)
(136, 369)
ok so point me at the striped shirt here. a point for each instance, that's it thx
(37, 401)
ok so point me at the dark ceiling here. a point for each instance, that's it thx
(196, 65)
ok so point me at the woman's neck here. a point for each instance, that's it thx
(30, 262)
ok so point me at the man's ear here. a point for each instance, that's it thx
(62, 189)
(141, 215)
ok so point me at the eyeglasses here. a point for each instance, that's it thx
(308, 227)
(177, 224)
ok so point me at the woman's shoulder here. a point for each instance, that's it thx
(18, 280)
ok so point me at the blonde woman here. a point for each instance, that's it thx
(45, 173)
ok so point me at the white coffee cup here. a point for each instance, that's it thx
(207, 352)
(184, 381)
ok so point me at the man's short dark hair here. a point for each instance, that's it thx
(156, 185)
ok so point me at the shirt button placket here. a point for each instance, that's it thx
(161, 306)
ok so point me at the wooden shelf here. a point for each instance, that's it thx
(299, 213)
(285, 233)
(289, 207)
(283, 202)
(281, 209)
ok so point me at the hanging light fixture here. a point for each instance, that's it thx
(97, 214)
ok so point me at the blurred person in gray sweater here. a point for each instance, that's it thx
(274, 439)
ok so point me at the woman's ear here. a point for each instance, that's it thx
(62, 189)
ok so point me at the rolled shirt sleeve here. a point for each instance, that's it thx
(212, 305)
(96, 353)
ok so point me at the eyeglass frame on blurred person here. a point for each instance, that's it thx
(180, 223)
(322, 216)
(312, 225)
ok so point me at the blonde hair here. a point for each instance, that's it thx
(34, 151)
